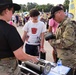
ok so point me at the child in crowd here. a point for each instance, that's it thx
(34, 30)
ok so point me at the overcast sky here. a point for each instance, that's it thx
(55, 2)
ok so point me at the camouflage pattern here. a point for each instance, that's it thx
(65, 43)
(9, 67)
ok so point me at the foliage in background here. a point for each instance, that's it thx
(29, 6)
(66, 5)
(45, 8)
(42, 8)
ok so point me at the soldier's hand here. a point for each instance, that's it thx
(33, 59)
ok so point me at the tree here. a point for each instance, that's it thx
(45, 8)
(66, 5)
(23, 8)
(42, 8)
(31, 5)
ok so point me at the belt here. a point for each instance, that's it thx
(9, 58)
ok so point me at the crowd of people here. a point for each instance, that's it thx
(34, 26)
(19, 19)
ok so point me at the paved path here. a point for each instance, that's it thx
(47, 46)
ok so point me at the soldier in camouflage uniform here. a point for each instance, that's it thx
(65, 41)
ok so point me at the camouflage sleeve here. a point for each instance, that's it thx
(67, 39)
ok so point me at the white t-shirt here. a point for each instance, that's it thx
(33, 31)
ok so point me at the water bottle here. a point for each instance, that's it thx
(59, 64)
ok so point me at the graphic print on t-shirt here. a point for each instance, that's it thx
(34, 30)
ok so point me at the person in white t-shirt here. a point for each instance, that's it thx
(34, 34)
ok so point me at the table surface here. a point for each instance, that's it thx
(59, 70)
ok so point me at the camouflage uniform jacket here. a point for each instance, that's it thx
(66, 42)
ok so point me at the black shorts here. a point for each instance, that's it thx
(31, 49)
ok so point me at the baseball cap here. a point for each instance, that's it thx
(54, 10)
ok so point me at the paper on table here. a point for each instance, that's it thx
(63, 69)
(52, 73)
